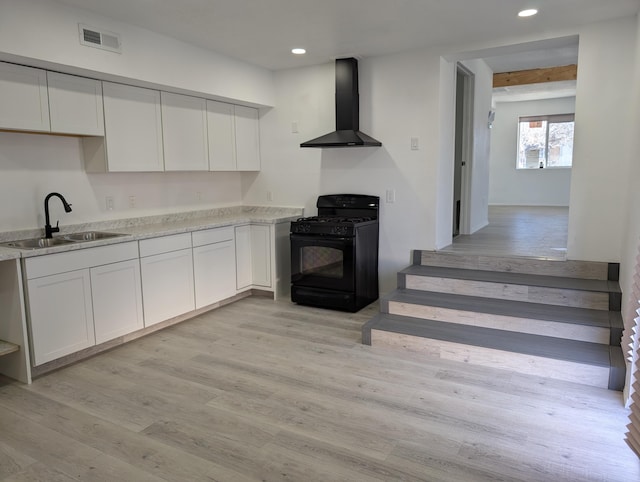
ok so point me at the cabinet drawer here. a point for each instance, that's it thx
(49, 264)
(211, 236)
(164, 244)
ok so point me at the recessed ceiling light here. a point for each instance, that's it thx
(298, 51)
(530, 12)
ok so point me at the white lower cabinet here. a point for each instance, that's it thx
(167, 277)
(61, 316)
(261, 255)
(253, 256)
(79, 298)
(117, 299)
(214, 266)
(243, 257)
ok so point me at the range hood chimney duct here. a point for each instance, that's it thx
(347, 133)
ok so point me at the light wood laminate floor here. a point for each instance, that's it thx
(536, 231)
(271, 391)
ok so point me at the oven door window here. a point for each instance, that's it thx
(322, 261)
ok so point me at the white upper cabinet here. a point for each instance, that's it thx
(222, 136)
(133, 132)
(184, 129)
(75, 105)
(23, 98)
(233, 137)
(131, 129)
(247, 139)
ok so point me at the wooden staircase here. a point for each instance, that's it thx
(557, 319)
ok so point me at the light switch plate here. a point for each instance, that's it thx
(391, 195)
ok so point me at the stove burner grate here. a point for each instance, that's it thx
(335, 219)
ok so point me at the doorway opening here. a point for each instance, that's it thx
(463, 149)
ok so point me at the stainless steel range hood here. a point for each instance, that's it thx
(347, 133)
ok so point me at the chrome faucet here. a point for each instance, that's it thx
(48, 230)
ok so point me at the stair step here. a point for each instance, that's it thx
(577, 361)
(513, 264)
(597, 326)
(589, 293)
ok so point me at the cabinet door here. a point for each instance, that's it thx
(117, 299)
(243, 256)
(184, 130)
(214, 271)
(75, 105)
(247, 139)
(222, 138)
(261, 255)
(23, 98)
(133, 128)
(60, 315)
(167, 285)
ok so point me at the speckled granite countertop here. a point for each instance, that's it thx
(8, 253)
(134, 229)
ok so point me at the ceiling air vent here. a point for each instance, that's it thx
(92, 37)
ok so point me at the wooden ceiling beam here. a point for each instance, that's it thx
(536, 76)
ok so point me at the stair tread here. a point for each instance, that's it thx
(518, 309)
(514, 278)
(536, 345)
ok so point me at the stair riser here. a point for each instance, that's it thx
(500, 322)
(531, 294)
(489, 357)
(570, 269)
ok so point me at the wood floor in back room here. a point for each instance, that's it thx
(538, 231)
(268, 390)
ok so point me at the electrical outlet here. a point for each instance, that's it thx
(132, 201)
(269, 196)
(294, 127)
(109, 203)
(198, 196)
(415, 145)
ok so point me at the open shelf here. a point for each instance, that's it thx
(6, 347)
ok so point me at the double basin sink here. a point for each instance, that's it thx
(38, 243)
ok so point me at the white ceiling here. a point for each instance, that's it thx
(262, 32)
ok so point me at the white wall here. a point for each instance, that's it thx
(45, 34)
(399, 99)
(631, 240)
(604, 124)
(33, 165)
(525, 187)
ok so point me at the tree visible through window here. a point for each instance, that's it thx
(545, 141)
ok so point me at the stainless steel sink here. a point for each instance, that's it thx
(91, 236)
(36, 243)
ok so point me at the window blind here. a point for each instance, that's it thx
(630, 340)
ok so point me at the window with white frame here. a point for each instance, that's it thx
(545, 141)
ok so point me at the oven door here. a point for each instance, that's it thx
(322, 262)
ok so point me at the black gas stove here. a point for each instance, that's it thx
(334, 255)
